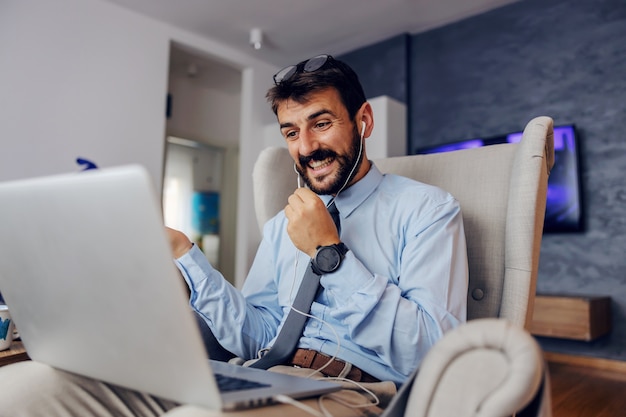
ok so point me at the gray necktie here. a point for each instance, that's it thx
(334, 213)
(287, 340)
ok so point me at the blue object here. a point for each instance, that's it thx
(4, 328)
(205, 212)
(87, 163)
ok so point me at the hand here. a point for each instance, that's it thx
(310, 224)
(179, 243)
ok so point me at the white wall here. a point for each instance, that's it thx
(197, 110)
(389, 137)
(88, 78)
(79, 78)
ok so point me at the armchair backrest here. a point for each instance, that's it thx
(502, 191)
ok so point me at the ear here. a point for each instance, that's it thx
(366, 116)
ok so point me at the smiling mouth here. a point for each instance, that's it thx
(318, 165)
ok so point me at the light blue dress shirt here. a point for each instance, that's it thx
(401, 286)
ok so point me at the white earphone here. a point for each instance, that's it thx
(298, 175)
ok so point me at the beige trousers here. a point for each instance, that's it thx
(32, 389)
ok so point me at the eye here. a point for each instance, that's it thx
(321, 125)
(290, 134)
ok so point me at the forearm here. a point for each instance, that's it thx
(239, 326)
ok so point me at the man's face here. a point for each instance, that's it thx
(322, 140)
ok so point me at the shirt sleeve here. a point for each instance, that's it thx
(241, 327)
(400, 318)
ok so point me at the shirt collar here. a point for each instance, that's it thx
(352, 197)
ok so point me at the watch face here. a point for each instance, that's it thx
(328, 259)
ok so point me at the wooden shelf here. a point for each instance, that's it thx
(16, 353)
(571, 317)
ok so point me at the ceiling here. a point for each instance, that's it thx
(297, 29)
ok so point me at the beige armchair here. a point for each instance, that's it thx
(477, 370)
(491, 366)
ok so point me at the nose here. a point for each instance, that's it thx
(308, 143)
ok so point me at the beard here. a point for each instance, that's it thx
(348, 167)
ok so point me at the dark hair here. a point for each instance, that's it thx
(333, 74)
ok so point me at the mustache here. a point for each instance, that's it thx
(317, 155)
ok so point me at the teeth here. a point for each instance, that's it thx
(320, 164)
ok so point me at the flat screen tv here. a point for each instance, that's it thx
(564, 200)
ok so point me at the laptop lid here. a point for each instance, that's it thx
(87, 271)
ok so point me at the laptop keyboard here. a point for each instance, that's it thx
(230, 383)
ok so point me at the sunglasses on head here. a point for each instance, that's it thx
(310, 65)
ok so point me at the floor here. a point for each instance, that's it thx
(580, 391)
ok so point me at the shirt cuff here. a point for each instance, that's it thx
(350, 278)
(194, 266)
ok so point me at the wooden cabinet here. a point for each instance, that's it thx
(571, 317)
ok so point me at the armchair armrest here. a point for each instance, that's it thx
(484, 368)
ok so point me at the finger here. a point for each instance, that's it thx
(305, 194)
(311, 200)
(294, 206)
(288, 211)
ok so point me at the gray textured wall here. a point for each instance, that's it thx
(492, 73)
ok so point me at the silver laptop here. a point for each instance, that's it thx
(87, 271)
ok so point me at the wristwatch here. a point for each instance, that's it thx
(327, 259)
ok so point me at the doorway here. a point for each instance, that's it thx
(200, 184)
(192, 187)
